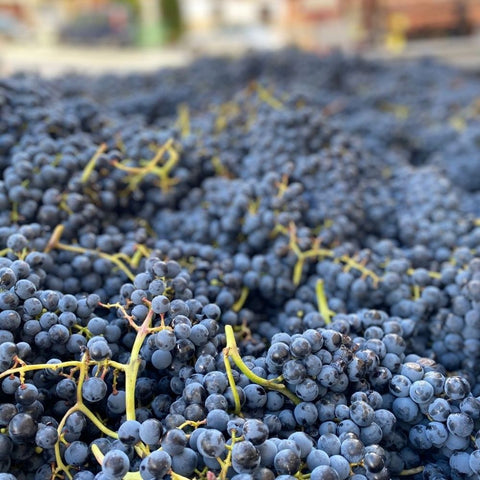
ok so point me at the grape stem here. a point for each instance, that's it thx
(323, 307)
(227, 463)
(91, 163)
(184, 119)
(411, 471)
(131, 369)
(237, 306)
(231, 381)
(231, 350)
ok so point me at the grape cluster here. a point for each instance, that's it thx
(242, 269)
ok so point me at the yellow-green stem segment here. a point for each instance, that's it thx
(231, 350)
(231, 381)
(323, 307)
(131, 369)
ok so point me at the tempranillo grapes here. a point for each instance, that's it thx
(256, 268)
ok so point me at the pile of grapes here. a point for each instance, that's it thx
(243, 269)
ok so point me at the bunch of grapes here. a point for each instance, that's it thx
(241, 270)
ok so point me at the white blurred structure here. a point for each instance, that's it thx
(313, 24)
(236, 25)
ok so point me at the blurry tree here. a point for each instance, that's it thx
(172, 17)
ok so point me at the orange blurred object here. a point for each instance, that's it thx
(314, 23)
(430, 17)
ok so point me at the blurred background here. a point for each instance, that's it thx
(93, 36)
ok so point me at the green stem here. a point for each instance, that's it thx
(58, 456)
(323, 307)
(231, 381)
(232, 351)
(42, 366)
(411, 471)
(298, 270)
(184, 119)
(242, 299)
(116, 365)
(87, 171)
(54, 243)
(88, 413)
(116, 261)
(131, 369)
(227, 463)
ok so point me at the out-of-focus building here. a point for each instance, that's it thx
(213, 25)
(420, 18)
(217, 25)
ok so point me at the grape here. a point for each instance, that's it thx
(400, 386)
(361, 413)
(160, 304)
(294, 372)
(94, 389)
(84, 475)
(194, 392)
(151, 431)
(316, 458)
(307, 390)
(46, 436)
(158, 464)
(10, 320)
(24, 289)
(7, 351)
(405, 409)
(161, 359)
(75, 422)
(439, 409)
(218, 419)
(456, 388)
(306, 413)
(255, 431)
(474, 461)
(460, 424)
(329, 443)
(129, 432)
(185, 463)
(165, 340)
(287, 462)
(115, 464)
(144, 472)
(341, 466)
(99, 351)
(174, 442)
(353, 450)
(245, 457)
(324, 472)
(116, 402)
(7, 476)
(6, 447)
(255, 396)
(460, 462)
(7, 412)
(211, 443)
(421, 391)
(76, 453)
(22, 428)
(437, 433)
(26, 394)
(418, 437)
